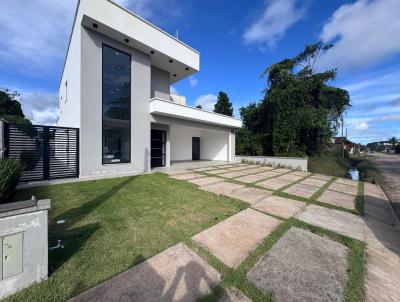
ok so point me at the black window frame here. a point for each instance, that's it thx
(102, 104)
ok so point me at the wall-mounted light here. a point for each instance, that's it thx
(152, 52)
(187, 68)
(95, 25)
(171, 61)
(174, 75)
(126, 40)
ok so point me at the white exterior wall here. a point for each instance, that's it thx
(70, 97)
(214, 145)
(160, 85)
(91, 109)
(181, 142)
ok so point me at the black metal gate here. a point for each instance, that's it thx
(46, 152)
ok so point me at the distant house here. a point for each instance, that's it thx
(339, 143)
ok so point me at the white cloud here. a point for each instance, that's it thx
(364, 33)
(40, 107)
(206, 101)
(277, 17)
(361, 126)
(193, 81)
(34, 35)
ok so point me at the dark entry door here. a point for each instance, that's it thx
(195, 148)
(158, 138)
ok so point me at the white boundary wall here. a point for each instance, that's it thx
(298, 163)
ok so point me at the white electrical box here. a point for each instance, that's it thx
(11, 255)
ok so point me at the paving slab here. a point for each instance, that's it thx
(268, 174)
(235, 168)
(233, 239)
(377, 206)
(290, 177)
(232, 294)
(251, 178)
(233, 174)
(382, 276)
(206, 181)
(382, 235)
(302, 266)
(282, 170)
(343, 200)
(334, 220)
(222, 187)
(187, 176)
(300, 173)
(250, 195)
(204, 169)
(314, 182)
(279, 206)
(322, 177)
(176, 172)
(343, 188)
(226, 166)
(177, 274)
(257, 170)
(346, 181)
(273, 183)
(302, 190)
(218, 171)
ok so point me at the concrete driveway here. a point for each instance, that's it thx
(388, 166)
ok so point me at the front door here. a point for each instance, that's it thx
(195, 148)
(158, 138)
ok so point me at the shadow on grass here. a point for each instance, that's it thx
(74, 238)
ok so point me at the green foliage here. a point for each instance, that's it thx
(16, 119)
(300, 112)
(223, 106)
(9, 104)
(10, 171)
(10, 108)
(248, 143)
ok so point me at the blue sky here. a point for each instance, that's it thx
(237, 41)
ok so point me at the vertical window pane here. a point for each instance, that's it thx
(116, 106)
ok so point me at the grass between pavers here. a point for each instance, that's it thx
(359, 201)
(354, 290)
(360, 198)
(114, 224)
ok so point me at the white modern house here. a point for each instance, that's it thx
(115, 88)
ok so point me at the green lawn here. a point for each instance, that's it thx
(114, 224)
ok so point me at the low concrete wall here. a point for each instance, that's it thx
(24, 244)
(298, 163)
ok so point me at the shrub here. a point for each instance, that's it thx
(10, 171)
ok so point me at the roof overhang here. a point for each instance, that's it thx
(167, 108)
(166, 52)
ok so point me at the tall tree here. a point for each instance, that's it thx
(223, 106)
(300, 111)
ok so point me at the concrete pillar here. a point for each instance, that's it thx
(231, 146)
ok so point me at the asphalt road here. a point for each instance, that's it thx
(388, 166)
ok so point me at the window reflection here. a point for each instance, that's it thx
(116, 106)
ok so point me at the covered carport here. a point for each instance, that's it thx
(190, 134)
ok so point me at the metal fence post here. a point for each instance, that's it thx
(1, 139)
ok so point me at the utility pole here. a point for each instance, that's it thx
(342, 139)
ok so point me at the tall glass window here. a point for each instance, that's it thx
(116, 106)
